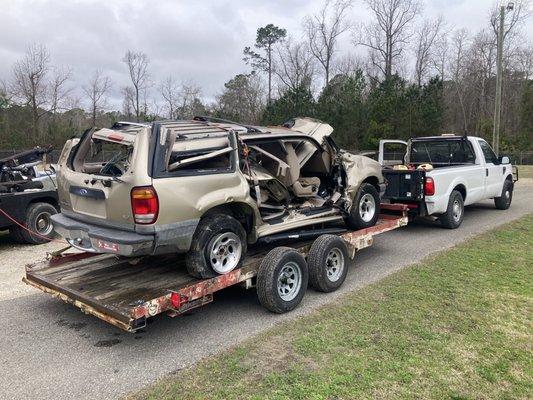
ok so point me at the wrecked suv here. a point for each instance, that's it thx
(208, 188)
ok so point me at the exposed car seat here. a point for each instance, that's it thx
(301, 186)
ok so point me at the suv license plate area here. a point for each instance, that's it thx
(102, 244)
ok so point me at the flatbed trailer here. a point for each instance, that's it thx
(126, 292)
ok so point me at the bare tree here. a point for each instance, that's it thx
(460, 43)
(295, 65)
(440, 55)
(58, 91)
(323, 30)
(137, 63)
(96, 90)
(170, 92)
(30, 85)
(128, 102)
(389, 33)
(515, 17)
(425, 37)
(189, 103)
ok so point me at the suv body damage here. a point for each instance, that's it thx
(272, 179)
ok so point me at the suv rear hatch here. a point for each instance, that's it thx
(95, 179)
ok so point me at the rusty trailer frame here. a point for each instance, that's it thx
(127, 292)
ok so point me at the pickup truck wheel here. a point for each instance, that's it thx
(365, 209)
(328, 263)
(453, 217)
(282, 280)
(218, 246)
(38, 219)
(504, 201)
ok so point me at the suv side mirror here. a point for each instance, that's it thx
(504, 160)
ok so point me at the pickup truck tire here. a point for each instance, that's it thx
(218, 246)
(365, 209)
(328, 263)
(282, 280)
(504, 201)
(453, 217)
(37, 219)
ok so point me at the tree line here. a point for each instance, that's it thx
(404, 75)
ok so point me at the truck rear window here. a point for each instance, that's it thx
(441, 152)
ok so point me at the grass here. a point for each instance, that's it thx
(525, 171)
(457, 326)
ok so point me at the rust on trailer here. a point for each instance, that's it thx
(126, 292)
(85, 308)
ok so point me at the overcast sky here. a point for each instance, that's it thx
(198, 41)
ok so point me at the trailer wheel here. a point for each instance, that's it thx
(365, 209)
(282, 280)
(37, 219)
(453, 217)
(218, 246)
(328, 263)
(504, 201)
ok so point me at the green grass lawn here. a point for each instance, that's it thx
(457, 326)
(525, 171)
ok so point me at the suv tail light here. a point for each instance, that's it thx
(144, 204)
(429, 187)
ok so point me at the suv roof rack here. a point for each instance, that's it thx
(249, 128)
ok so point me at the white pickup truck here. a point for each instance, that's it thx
(439, 175)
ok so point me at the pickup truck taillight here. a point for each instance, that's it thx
(144, 204)
(429, 187)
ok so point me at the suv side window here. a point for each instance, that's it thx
(489, 155)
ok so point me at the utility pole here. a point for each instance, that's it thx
(499, 73)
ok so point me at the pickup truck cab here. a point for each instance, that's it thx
(439, 175)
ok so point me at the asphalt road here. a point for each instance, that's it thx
(50, 350)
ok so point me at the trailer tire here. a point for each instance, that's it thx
(453, 217)
(365, 208)
(37, 219)
(282, 280)
(328, 263)
(504, 201)
(216, 231)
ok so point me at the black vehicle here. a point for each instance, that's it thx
(27, 198)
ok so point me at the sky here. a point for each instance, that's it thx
(194, 41)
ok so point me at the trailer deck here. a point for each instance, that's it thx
(126, 292)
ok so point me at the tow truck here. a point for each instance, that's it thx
(127, 292)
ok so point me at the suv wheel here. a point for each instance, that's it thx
(218, 246)
(365, 208)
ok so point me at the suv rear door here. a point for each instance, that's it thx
(90, 192)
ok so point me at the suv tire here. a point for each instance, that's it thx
(504, 201)
(365, 208)
(453, 217)
(218, 246)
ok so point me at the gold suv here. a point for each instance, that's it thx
(208, 188)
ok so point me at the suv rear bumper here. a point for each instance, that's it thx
(172, 238)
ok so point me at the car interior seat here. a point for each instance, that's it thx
(301, 186)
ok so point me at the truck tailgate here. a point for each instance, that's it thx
(404, 185)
